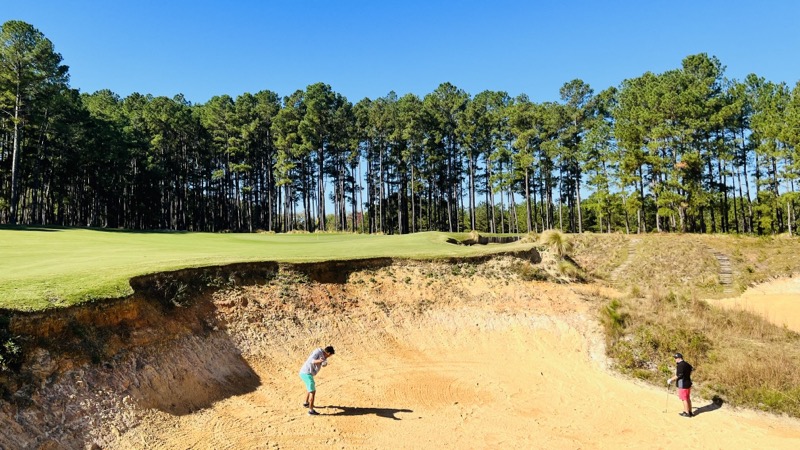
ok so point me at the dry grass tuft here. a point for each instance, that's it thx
(557, 242)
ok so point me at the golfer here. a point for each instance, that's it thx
(317, 360)
(683, 375)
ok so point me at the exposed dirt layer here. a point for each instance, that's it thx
(428, 355)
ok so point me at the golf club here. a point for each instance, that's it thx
(666, 403)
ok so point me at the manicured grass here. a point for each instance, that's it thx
(52, 267)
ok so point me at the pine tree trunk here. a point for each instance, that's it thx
(15, 159)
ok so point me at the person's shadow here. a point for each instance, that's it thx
(388, 413)
(716, 403)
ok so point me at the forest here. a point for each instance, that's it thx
(686, 150)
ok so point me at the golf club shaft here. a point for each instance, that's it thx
(666, 402)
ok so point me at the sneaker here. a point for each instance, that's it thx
(305, 405)
(311, 412)
(685, 414)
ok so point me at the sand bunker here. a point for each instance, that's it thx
(778, 301)
(515, 366)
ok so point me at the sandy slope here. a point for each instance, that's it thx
(496, 366)
(778, 301)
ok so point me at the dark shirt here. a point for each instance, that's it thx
(684, 374)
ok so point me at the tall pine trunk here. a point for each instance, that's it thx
(15, 158)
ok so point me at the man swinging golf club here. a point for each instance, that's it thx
(683, 372)
(317, 360)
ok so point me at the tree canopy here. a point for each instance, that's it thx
(686, 150)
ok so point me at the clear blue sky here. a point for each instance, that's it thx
(368, 48)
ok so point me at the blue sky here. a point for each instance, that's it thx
(368, 48)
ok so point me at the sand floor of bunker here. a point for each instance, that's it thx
(519, 365)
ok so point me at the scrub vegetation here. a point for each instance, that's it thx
(739, 357)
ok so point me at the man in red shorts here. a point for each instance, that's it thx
(683, 375)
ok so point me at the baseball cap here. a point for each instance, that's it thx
(678, 355)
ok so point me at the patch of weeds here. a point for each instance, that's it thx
(287, 292)
(622, 353)
(287, 282)
(10, 355)
(491, 273)
(10, 350)
(529, 272)
(180, 295)
(424, 305)
(291, 277)
(469, 270)
(571, 271)
(383, 307)
(173, 290)
(407, 280)
(662, 300)
(212, 280)
(641, 374)
(771, 399)
(613, 319)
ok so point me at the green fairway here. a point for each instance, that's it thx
(54, 267)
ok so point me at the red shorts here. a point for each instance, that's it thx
(683, 394)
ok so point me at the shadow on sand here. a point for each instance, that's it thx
(716, 403)
(388, 413)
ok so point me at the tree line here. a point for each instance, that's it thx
(686, 150)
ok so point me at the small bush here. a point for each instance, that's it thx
(10, 355)
(613, 319)
(10, 350)
(569, 270)
(529, 272)
(557, 242)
